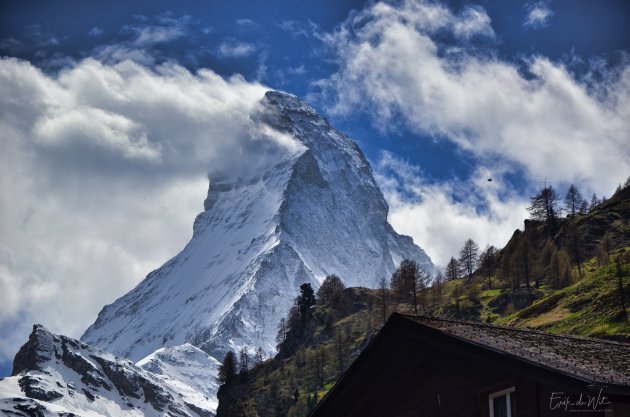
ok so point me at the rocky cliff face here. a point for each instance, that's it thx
(314, 211)
(56, 375)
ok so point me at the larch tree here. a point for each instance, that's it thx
(544, 261)
(382, 297)
(573, 200)
(488, 262)
(577, 244)
(438, 282)
(545, 207)
(452, 269)
(283, 330)
(584, 207)
(594, 202)
(341, 348)
(525, 259)
(620, 288)
(469, 258)
(259, 356)
(407, 280)
(331, 291)
(605, 246)
(243, 363)
(560, 270)
(422, 286)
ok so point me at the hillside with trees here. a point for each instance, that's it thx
(562, 273)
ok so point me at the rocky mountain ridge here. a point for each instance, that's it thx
(59, 376)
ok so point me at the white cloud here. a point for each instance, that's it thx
(104, 130)
(441, 216)
(538, 14)
(235, 49)
(246, 23)
(142, 41)
(473, 21)
(118, 52)
(549, 124)
(10, 297)
(299, 29)
(102, 171)
(150, 35)
(299, 70)
(95, 31)
(165, 29)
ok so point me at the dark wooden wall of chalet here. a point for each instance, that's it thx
(402, 373)
(464, 376)
(462, 386)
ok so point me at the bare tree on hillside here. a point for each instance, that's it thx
(524, 259)
(469, 258)
(406, 280)
(545, 208)
(620, 288)
(452, 269)
(330, 292)
(573, 200)
(382, 295)
(488, 262)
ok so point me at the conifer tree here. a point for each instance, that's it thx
(227, 369)
(305, 301)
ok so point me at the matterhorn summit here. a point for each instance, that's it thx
(316, 210)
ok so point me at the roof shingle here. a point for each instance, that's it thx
(595, 360)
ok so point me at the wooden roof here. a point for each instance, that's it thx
(588, 359)
(404, 345)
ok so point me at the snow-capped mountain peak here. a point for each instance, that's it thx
(55, 375)
(312, 211)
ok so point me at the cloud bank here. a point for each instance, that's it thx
(441, 216)
(102, 170)
(534, 117)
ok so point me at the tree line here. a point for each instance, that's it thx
(320, 349)
(312, 361)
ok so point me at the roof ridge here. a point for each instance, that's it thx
(516, 329)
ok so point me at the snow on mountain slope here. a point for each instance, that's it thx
(315, 211)
(56, 375)
(188, 371)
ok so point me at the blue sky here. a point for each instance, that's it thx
(112, 113)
